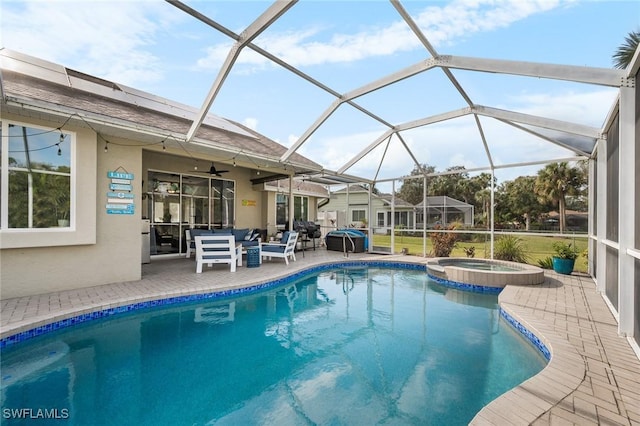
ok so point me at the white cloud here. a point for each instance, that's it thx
(588, 108)
(440, 24)
(107, 39)
(251, 123)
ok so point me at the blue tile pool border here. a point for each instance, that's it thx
(109, 312)
(535, 341)
(466, 287)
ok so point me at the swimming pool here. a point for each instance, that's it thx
(341, 345)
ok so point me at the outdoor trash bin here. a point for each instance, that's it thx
(253, 257)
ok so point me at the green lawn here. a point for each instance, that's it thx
(537, 247)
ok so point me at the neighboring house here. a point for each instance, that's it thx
(443, 210)
(575, 220)
(349, 207)
(86, 161)
(440, 210)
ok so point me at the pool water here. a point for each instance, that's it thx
(479, 265)
(340, 346)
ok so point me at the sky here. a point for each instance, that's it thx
(155, 47)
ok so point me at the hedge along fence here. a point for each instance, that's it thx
(538, 246)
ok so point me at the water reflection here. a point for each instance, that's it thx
(342, 346)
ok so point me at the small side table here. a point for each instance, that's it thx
(253, 257)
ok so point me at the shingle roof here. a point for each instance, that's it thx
(231, 136)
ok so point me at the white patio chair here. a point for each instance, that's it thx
(284, 249)
(212, 249)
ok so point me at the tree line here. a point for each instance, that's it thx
(519, 203)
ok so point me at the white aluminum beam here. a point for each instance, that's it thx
(263, 22)
(433, 119)
(413, 157)
(590, 75)
(546, 138)
(392, 78)
(547, 123)
(406, 126)
(384, 154)
(489, 168)
(484, 140)
(425, 42)
(311, 130)
(365, 151)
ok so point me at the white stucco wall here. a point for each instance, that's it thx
(87, 255)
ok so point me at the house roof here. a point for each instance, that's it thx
(49, 91)
(386, 198)
(443, 200)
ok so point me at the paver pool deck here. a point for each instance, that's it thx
(593, 377)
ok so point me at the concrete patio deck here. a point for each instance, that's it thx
(593, 377)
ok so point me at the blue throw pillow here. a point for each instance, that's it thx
(285, 237)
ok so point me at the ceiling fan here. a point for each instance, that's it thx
(214, 172)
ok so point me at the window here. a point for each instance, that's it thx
(300, 208)
(402, 219)
(222, 203)
(358, 215)
(36, 177)
(282, 210)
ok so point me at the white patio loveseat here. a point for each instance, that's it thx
(212, 249)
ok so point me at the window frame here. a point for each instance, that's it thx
(361, 212)
(4, 177)
(304, 205)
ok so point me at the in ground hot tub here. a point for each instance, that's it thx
(492, 274)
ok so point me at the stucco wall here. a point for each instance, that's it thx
(113, 252)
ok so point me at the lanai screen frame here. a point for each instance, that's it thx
(530, 124)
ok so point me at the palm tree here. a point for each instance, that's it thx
(555, 182)
(624, 54)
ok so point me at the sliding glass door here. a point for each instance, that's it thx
(178, 202)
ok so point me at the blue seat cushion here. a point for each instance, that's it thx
(196, 233)
(239, 234)
(272, 249)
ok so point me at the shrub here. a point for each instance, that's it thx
(470, 251)
(546, 263)
(511, 248)
(443, 242)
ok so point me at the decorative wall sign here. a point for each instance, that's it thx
(250, 203)
(119, 197)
